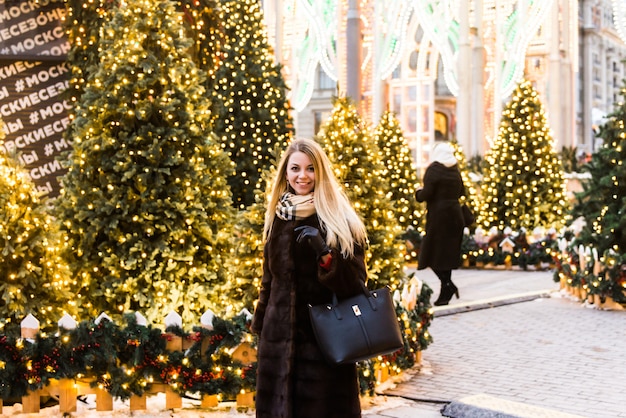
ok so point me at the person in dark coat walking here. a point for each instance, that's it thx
(441, 247)
(314, 246)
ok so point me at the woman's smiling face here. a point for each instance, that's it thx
(300, 173)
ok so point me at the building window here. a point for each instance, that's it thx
(318, 118)
(324, 82)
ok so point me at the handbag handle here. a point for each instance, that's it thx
(369, 295)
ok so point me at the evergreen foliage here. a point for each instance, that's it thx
(471, 197)
(399, 170)
(600, 207)
(249, 103)
(603, 199)
(83, 26)
(204, 22)
(128, 360)
(351, 147)
(523, 185)
(34, 278)
(145, 203)
(246, 265)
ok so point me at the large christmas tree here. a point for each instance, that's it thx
(34, 278)
(249, 102)
(523, 185)
(145, 203)
(351, 147)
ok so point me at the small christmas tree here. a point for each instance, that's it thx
(146, 205)
(523, 185)
(352, 149)
(400, 170)
(34, 278)
(249, 104)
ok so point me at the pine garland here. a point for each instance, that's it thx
(128, 360)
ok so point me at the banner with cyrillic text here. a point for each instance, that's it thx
(33, 77)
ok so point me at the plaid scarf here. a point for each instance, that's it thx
(291, 206)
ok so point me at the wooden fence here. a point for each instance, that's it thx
(68, 390)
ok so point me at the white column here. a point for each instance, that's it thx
(588, 33)
(555, 92)
(463, 102)
(568, 73)
(278, 28)
(377, 88)
(476, 145)
(353, 51)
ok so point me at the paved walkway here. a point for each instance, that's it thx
(514, 346)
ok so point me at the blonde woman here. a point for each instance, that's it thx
(314, 246)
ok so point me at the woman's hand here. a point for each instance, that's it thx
(312, 237)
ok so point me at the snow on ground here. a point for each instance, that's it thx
(191, 408)
(155, 408)
(86, 408)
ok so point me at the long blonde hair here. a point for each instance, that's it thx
(343, 227)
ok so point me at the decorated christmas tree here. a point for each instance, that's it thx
(351, 147)
(399, 170)
(601, 203)
(523, 184)
(145, 204)
(402, 175)
(34, 278)
(249, 102)
(601, 208)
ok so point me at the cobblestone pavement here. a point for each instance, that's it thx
(549, 356)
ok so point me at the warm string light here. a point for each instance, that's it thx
(160, 87)
(352, 148)
(251, 111)
(523, 169)
(35, 278)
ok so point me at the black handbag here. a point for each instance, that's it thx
(468, 216)
(357, 328)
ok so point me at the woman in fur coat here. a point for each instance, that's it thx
(441, 247)
(314, 246)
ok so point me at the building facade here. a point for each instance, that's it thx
(447, 68)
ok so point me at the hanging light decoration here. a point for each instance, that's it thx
(393, 27)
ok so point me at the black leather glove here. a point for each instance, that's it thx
(312, 237)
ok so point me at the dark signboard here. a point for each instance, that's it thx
(33, 77)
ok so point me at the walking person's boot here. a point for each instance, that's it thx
(448, 289)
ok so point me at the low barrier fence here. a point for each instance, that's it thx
(216, 361)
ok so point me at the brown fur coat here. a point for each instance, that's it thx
(294, 380)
